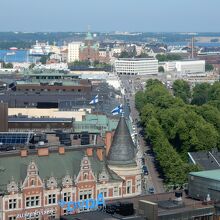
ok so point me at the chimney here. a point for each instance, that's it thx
(61, 150)
(99, 152)
(23, 152)
(89, 152)
(108, 141)
(42, 150)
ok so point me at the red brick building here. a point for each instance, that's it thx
(90, 51)
(33, 183)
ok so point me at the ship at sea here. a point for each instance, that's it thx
(40, 49)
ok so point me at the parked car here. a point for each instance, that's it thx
(145, 170)
(151, 190)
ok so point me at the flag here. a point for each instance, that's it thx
(95, 100)
(117, 110)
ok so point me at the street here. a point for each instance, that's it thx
(152, 180)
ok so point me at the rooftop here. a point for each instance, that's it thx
(15, 167)
(188, 207)
(135, 59)
(50, 83)
(210, 174)
(97, 215)
(122, 151)
(206, 160)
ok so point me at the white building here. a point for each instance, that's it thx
(116, 50)
(134, 66)
(190, 66)
(139, 49)
(73, 51)
(184, 66)
(168, 66)
(52, 66)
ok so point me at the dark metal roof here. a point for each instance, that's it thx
(42, 120)
(122, 151)
(207, 160)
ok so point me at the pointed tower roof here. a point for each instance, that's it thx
(122, 150)
(89, 36)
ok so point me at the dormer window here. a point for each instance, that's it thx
(52, 183)
(67, 181)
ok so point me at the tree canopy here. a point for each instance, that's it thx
(174, 126)
(168, 57)
(209, 67)
(181, 89)
(7, 65)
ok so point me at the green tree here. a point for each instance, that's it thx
(44, 59)
(181, 89)
(84, 63)
(201, 93)
(168, 57)
(142, 55)
(32, 66)
(161, 69)
(175, 128)
(209, 67)
(7, 65)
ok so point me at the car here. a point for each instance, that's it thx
(151, 190)
(145, 170)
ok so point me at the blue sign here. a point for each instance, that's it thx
(83, 204)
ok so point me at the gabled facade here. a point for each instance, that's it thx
(38, 186)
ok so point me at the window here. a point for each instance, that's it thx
(32, 201)
(12, 218)
(86, 194)
(128, 187)
(115, 191)
(52, 199)
(12, 204)
(104, 191)
(67, 196)
(65, 212)
(138, 184)
(32, 182)
(85, 176)
(52, 215)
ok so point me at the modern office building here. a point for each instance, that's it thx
(73, 51)
(190, 66)
(168, 66)
(33, 183)
(136, 66)
(185, 67)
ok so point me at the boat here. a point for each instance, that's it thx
(40, 49)
(13, 48)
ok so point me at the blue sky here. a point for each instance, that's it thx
(110, 15)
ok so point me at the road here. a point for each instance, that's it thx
(132, 85)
